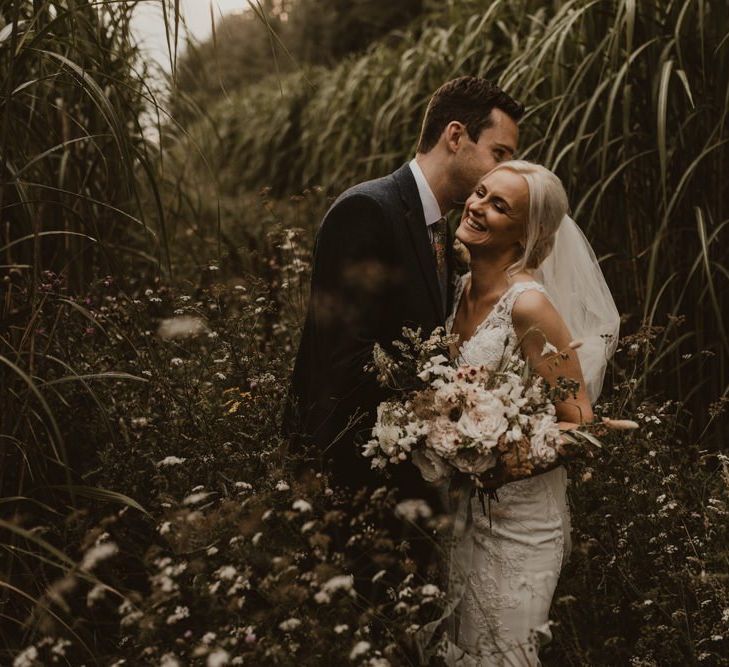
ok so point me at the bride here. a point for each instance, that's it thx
(535, 286)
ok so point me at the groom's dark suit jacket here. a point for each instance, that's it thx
(373, 273)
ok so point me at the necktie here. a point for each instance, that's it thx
(438, 239)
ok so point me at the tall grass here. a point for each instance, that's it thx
(627, 101)
(76, 179)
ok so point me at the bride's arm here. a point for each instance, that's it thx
(538, 326)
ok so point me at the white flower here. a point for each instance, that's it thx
(282, 486)
(181, 327)
(359, 649)
(379, 575)
(170, 461)
(26, 658)
(430, 590)
(165, 527)
(96, 593)
(413, 509)
(195, 498)
(344, 582)
(432, 467)
(243, 486)
(98, 553)
(342, 627)
(218, 658)
(301, 505)
(180, 613)
(227, 572)
(169, 660)
(308, 526)
(176, 362)
(321, 597)
(289, 624)
(545, 436)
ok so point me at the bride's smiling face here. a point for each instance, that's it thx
(495, 213)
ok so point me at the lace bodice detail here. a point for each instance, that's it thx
(494, 337)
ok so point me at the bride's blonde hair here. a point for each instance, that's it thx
(548, 205)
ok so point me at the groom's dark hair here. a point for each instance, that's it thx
(469, 100)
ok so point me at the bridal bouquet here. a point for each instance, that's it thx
(447, 418)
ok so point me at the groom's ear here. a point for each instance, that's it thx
(454, 134)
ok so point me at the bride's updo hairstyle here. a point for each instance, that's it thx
(547, 207)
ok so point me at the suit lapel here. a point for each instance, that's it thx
(415, 222)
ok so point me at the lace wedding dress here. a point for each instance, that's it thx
(517, 552)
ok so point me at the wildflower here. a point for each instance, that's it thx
(413, 509)
(344, 582)
(170, 461)
(430, 590)
(26, 658)
(243, 486)
(218, 658)
(139, 422)
(379, 575)
(183, 326)
(96, 593)
(180, 613)
(176, 362)
(282, 486)
(289, 624)
(301, 505)
(169, 660)
(322, 597)
(165, 527)
(194, 498)
(227, 572)
(59, 648)
(359, 649)
(97, 554)
(208, 638)
(256, 539)
(342, 627)
(212, 551)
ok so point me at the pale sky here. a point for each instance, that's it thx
(149, 28)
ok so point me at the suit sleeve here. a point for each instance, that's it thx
(352, 274)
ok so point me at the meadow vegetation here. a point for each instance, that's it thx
(153, 293)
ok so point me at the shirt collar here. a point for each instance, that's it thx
(431, 210)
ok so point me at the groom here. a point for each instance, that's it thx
(383, 260)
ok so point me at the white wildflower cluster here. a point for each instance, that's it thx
(341, 582)
(466, 419)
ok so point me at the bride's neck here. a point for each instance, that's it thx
(489, 274)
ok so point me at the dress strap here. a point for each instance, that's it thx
(518, 289)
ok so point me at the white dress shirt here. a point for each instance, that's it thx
(431, 210)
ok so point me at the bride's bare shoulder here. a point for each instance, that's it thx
(531, 306)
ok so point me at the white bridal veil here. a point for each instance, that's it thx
(577, 288)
